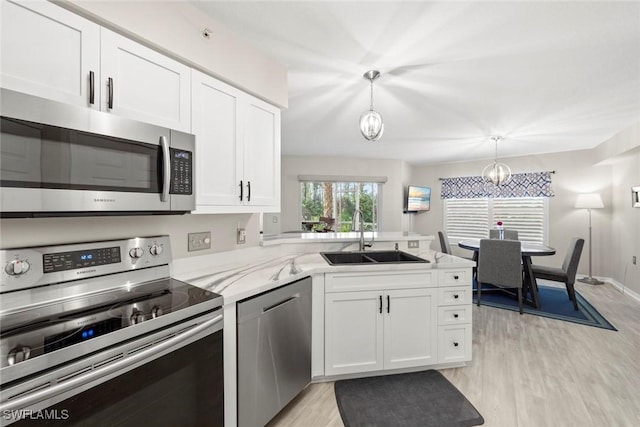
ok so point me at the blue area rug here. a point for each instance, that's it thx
(555, 304)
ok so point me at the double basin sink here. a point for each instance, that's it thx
(370, 257)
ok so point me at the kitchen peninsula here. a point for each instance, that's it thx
(367, 319)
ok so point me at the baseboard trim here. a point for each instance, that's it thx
(622, 288)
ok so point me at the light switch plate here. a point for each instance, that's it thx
(241, 236)
(413, 244)
(199, 241)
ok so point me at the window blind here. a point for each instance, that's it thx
(473, 218)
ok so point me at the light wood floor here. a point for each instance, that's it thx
(530, 371)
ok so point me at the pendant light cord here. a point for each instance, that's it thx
(371, 104)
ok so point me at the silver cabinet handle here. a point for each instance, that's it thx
(122, 364)
(166, 172)
(110, 101)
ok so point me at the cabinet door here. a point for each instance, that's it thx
(262, 155)
(49, 52)
(217, 129)
(410, 328)
(353, 332)
(146, 85)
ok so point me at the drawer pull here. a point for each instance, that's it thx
(455, 296)
(455, 315)
(455, 344)
(456, 277)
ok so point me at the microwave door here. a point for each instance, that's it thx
(47, 168)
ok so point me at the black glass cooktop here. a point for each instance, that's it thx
(47, 327)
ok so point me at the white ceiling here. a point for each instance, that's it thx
(548, 76)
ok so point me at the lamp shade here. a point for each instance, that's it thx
(589, 201)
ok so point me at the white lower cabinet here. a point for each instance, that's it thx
(394, 321)
(374, 330)
(454, 317)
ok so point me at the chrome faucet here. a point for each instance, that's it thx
(353, 227)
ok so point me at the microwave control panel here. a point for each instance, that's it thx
(181, 172)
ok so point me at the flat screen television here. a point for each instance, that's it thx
(418, 199)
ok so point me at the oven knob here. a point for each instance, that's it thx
(156, 249)
(136, 317)
(156, 311)
(17, 267)
(136, 253)
(18, 354)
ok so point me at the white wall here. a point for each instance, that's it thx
(622, 152)
(397, 172)
(23, 232)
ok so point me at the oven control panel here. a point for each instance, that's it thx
(23, 268)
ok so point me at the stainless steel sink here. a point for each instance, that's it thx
(371, 257)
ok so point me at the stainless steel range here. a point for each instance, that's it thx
(100, 334)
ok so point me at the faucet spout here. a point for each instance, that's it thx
(362, 245)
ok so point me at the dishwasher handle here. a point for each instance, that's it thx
(280, 303)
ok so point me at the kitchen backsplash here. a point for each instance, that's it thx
(45, 231)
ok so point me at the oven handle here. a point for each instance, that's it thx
(47, 393)
(166, 169)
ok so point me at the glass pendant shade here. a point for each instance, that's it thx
(371, 125)
(496, 173)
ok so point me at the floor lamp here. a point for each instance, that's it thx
(589, 201)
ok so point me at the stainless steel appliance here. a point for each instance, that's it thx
(274, 351)
(100, 334)
(58, 159)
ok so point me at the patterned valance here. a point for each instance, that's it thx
(532, 184)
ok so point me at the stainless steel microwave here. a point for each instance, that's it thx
(64, 160)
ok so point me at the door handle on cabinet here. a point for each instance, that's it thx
(110, 101)
(388, 304)
(92, 87)
(241, 190)
(248, 191)
(380, 304)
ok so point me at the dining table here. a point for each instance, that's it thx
(528, 250)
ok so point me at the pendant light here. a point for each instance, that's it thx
(371, 125)
(496, 173)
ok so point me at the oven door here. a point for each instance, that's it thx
(169, 378)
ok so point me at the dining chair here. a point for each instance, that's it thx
(508, 234)
(499, 264)
(445, 247)
(328, 223)
(567, 272)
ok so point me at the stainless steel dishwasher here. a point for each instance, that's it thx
(274, 351)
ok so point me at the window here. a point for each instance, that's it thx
(339, 200)
(466, 218)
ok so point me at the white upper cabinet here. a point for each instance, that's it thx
(49, 52)
(142, 84)
(238, 146)
(217, 129)
(262, 153)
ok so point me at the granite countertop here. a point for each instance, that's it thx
(242, 273)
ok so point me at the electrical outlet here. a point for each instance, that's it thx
(633, 260)
(274, 219)
(199, 241)
(241, 237)
(413, 244)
